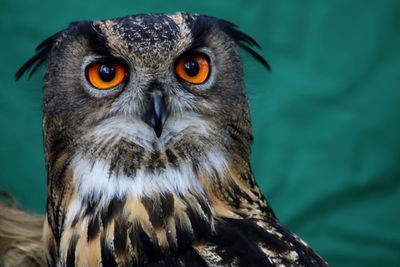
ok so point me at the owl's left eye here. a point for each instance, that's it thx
(193, 68)
(105, 75)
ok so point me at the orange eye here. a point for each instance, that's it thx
(105, 75)
(193, 68)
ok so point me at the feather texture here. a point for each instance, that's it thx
(121, 195)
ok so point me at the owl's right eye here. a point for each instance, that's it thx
(105, 75)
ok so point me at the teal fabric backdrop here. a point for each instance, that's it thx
(326, 119)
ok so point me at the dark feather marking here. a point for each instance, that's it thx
(133, 238)
(58, 146)
(130, 169)
(257, 56)
(53, 254)
(71, 251)
(235, 193)
(184, 236)
(50, 206)
(236, 239)
(236, 236)
(155, 162)
(200, 28)
(307, 256)
(193, 152)
(241, 132)
(218, 183)
(93, 228)
(97, 42)
(251, 229)
(181, 150)
(167, 204)
(154, 217)
(155, 211)
(90, 207)
(60, 172)
(35, 67)
(42, 52)
(120, 235)
(75, 220)
(205, 206)
(55, 182)
(192, 258)
(242, 40)
(58, 216)
(172, 242)
(215, 175)
(114, 162)
(114, 209)
(151, 255)
(201, 226)
(188, 257)
(58, 181)
(246, 177)
(236, 136)
(172, 158)
(131, 158)
(147, 249)
(134, 33)
(107, 257)
(237, 139)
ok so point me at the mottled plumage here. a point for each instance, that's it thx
(136, 182)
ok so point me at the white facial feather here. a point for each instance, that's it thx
(95, 180)
(134, 130)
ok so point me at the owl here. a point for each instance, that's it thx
(147, 140)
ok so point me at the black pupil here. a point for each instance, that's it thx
(107, 73)
(191, 67)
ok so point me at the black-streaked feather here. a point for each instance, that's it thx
(97, 41)
(71, 251)
(43, 50)
(107, 256)
(242, 40)
(257, 56)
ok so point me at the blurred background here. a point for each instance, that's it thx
(326, 119)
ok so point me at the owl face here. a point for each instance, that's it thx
(149, 98)
(150, 79)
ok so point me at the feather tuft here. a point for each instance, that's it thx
(42, 52)
(243, 40)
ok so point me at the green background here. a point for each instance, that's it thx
(326, 119)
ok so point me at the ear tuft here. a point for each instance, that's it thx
(242, 40)
(42, 52)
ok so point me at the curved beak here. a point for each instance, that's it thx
(156, 113)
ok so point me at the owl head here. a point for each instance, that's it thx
(145, 91)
